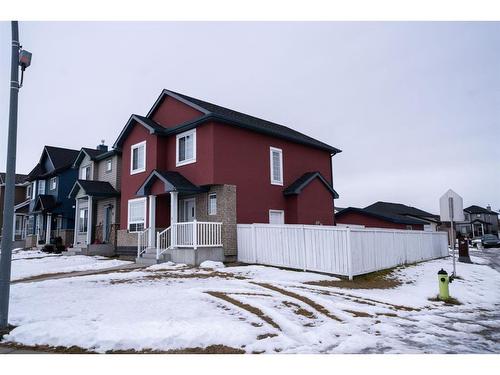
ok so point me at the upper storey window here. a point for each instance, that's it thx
(276, 164)
(185, 146)
(85, 172)
(138, 158)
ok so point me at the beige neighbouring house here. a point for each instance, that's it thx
(97, 201)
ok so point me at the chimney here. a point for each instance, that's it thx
(102, 146)
(488, 207)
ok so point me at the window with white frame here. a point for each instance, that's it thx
(83, 220)
(41, 187)
(53, 183)
(85, 172)
(109, 165)
(29, 191)
(136, 214)
(138, 157)
(276, 217)
(212, 204)
(185, 146)
(33, 190)
(276, 165)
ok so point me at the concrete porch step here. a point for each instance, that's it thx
(149, 258)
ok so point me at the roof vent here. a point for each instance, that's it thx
(488, 207)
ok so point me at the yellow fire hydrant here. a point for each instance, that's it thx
(444, 281)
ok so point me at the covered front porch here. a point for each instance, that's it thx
(96, 204)
(173, 231)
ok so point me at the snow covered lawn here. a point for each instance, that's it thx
(259, 309)
(33, 263)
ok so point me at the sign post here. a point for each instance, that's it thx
(451, 209)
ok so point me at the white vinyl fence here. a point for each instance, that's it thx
(340, 251)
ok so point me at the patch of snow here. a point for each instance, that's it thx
(141, 310)
(166, 266)
(212, 264)
(25, 268)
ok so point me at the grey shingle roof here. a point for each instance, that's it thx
(213, 112)
(479, 210)
(399, 209)
(304, 180)
(45, 202)
(94, 188)
(62, 158)
(20, 178)
(398, 219)
(255, 123)
(174, 181)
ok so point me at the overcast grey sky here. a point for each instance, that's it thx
(415, 107)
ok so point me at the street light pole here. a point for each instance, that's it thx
(10, 176)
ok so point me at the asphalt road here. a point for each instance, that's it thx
(492, 254)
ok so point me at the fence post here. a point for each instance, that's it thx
(195, 234)
(304, 246)
(349, 254)
(254, 244)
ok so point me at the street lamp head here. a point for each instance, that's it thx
(24, 59)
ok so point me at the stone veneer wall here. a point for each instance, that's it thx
(226, 213)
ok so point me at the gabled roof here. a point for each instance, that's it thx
(213, 112)
(399, 209)
(93, 189)
(44, 202)
(22, 207)
(397, 219)
(479, 210)
(19, 180)
(61, 159)
(93, 154)
(173, 181)
(304, 180)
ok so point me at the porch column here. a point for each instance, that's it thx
(152, 221)
(482, 229)
(77, 224)
(49, 228)
(89, 222)
(173, 216)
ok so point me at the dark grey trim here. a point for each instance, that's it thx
(392, 219)
(175, 96)
(188, 188)
(296, 187)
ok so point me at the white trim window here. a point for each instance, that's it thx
(276, 217)
(136, 214)
(276, 165)
(109, 165)
(212, 204)
(29, 191)
(53, 183)
(41, 187)
(85, 172)
(185, 148)
(83, 220)
(138, 158)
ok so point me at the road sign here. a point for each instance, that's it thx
(451, 207)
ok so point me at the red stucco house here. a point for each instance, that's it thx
(189, 160)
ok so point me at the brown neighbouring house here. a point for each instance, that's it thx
(21, 202)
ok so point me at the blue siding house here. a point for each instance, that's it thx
(51, 212)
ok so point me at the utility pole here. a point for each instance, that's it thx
(23, 59)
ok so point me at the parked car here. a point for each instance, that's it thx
(490, 240)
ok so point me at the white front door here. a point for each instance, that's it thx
(187, 210)
(276, 217)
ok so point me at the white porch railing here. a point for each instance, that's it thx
(192, 234)
(143, 241)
